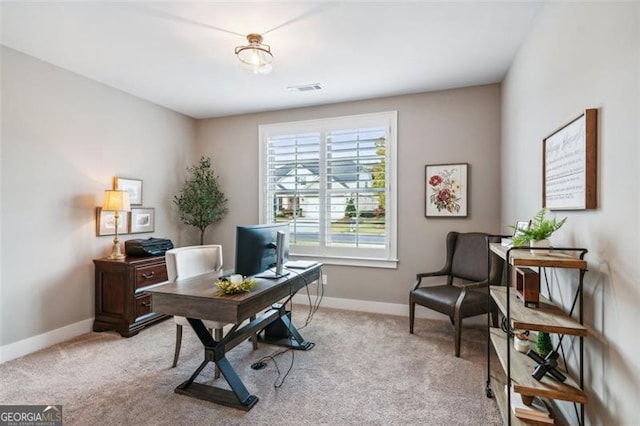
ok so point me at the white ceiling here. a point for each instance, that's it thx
(181, 54)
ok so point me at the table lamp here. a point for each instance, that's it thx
(116, 201)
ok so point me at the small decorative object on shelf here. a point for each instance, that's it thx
(235, 284)
(546, 365)
(538, 232)
(533, 409)
(528, 286)
(521, 342)
(543, 344)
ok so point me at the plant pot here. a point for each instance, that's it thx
(539, 245)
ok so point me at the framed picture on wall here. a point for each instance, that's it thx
(132, 186)
(106, 222)
(142, 220)
(569, 169)
(446, 190)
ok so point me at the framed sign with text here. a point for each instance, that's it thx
(569, 165)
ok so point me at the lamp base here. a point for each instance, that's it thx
(116, 252)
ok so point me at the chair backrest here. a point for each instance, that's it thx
(185, 262)
(467, 257)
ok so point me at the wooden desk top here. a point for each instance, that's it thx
(198, 297)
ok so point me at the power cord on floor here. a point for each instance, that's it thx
(313, 307)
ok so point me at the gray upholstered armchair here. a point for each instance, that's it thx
(463, 293)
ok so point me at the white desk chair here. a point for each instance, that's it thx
(185, 262)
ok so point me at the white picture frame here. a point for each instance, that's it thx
(132, 186)
(105, 223)
(142, 220)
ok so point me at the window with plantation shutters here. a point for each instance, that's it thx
(334, 181)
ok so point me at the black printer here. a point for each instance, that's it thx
(148, 247)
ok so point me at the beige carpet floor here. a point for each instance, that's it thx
(365, 369)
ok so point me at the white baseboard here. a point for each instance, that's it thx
(369, 306)
(44, 340)
(380, 308)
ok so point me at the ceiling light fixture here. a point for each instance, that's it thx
(256, 56)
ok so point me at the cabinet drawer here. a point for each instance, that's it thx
(143, 305)
(150, 275)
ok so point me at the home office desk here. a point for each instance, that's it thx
(197, 299)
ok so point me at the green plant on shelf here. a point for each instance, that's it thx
(540, 228)
(543, 344)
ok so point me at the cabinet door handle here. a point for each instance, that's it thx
(146, 277)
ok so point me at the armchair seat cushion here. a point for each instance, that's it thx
(442, 298)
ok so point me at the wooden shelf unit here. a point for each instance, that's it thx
(501, 399)
(562, 258)
(548, 317)
(524, 383)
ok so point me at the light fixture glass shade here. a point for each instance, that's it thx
(256, 56)
(116, 201)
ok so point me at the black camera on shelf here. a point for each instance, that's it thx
(546, 365)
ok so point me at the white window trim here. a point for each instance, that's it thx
(322, 125)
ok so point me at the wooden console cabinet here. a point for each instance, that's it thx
(121, 303)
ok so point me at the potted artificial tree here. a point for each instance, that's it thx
(201, 202)
(544, 344)
(538, 232)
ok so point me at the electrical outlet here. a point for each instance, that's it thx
(324, 279)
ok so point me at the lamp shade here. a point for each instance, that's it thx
(116, 201)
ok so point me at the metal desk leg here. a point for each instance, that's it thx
(239, 397)
(295, 341)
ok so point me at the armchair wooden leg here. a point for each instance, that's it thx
(176, 352)
(458, 327)
(412, 314)
(457, 319)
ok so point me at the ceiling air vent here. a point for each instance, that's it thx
(305, 87)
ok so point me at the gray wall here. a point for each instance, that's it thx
(441, 127)
(63, 138)
(586, 55)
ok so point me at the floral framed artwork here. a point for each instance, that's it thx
(132, 186)
(142, 220)
(446, 190)
(106, 222)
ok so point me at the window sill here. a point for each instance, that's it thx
(351, 261)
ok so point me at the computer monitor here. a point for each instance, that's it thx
(261, 247)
